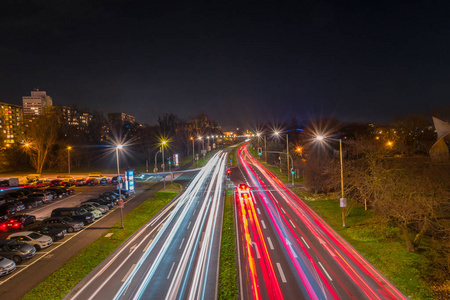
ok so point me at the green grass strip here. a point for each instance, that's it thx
(228, 280)
(57, 285)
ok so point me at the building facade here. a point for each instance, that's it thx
(11, 122)
(36, 103)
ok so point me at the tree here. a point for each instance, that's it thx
(41, 134)
(408, 191)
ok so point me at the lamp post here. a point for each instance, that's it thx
(68, 158)
(120, 184)
(193, 150)
(164, 165)
(343, 201)
(287, 150)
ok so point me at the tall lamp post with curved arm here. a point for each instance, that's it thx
(343, 201)
(120, 184)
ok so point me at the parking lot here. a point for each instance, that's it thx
(30, 272)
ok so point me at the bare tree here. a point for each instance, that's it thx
(41, 134)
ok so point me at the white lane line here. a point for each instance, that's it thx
(128, 273)
(292, 223)
(170, 272)
(189, 225)
(259, 212)
(182, 241)
(194, 212)
(328, 275)
(263, 224)
(283, 278)
(270, 243)
(283, 210)
(305, 242)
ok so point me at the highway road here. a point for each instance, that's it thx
(175, 255)
(286, 251)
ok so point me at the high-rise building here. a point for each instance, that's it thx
(120, 118)
(36, 103)
(11, 121)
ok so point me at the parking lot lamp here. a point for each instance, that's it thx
(120, 184)
(68, 157)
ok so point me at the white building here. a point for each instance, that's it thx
(36, 103)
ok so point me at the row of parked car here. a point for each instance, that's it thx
(30, 236)
(30, 197)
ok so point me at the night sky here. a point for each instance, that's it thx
(242, 64)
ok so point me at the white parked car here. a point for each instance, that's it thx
(32, 238)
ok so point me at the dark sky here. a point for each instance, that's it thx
(241, 63)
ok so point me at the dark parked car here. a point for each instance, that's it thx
(60, 192)
(123, 192)
(46, 197)
(16, 251)
(75, 213)
(33, 202)
(56, 182)
(55, 232)
(6, 211)
(113, 194)
(68, 190)
(17, 222)
(80, 181)
(67, 223)
(110, 203)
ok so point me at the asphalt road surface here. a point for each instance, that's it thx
(286, 251)
(175, 255)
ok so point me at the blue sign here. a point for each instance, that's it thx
(129, 175)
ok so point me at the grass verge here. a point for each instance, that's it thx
(381, 244)
(228, 281)
(57, 285)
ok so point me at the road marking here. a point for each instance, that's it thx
(263, 224)
(256, 250)
(329, 277)
(270, 243)
(283, 278)
(283, 210)
(182, 241)
(194, 212)
(171, 270)
(148, 244)
(109, 234)
(292, 223)
(305, 242)
(259, 212)
(189, 225)
(128, 273)
(132, 248)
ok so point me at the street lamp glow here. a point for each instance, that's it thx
(164, 142)
(319, 138)
(69, 148)
(258, 134)
(119, 146)
(277, 132)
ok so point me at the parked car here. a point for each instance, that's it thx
(17, 204)
(94, 211)
(103, 180)
(4, 183)
(75, 213)
(103, 208)
(59, 191)
(113, 194)
(55, 232)
(16, 251)
(46, 197)
(34, 239)
(110, 203)
(17, 222)
(112, 198)
(33, 202)
(68, 223)
(80, 181)
(124, 192)
(7, 210)
(68, 190)
(56, 182)
(7, 266)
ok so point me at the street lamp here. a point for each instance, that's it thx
(68, 157)
(343, 201)
(164, 165)
(193, 150)
(277, 133)
(120, 184)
